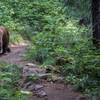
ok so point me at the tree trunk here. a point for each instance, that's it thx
(96, 22)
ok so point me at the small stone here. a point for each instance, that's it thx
(29, 72)
(25, 70)
(21, 55)
(31, 87)
(32, 73)
(45, 76)
(37, 87)
(27, 85)
(41, 94)
(31, 65)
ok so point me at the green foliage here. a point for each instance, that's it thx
(56, 38)
(77, 9)
(59, 41)
(9, 77)
(9, 21)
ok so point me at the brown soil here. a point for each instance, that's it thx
(54, 91)
(15, 56)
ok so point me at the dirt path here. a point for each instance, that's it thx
(54, 91)
(16, 55)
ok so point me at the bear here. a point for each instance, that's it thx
(4, 40)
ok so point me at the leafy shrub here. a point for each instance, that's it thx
(59, 40)
(9, 77)
(56, 38)
(7, 19)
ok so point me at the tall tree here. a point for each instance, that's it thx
(96, 22)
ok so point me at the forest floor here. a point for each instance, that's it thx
(42, 89)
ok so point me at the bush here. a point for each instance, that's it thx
(9, 82)
(59, 41)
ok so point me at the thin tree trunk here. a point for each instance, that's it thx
(96, 22)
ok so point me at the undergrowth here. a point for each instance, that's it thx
(56, 38)
(61, 42)
(7, 19)
(9, 82)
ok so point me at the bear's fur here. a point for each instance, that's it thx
(4, 40)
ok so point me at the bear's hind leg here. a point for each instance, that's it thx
(4, 51)
(4, 48)
(8, 50)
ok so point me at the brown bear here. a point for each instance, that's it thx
(4, 40)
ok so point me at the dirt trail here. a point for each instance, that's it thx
(54, 91)
(17, 51)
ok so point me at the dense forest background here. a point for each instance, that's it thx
(60, 35)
